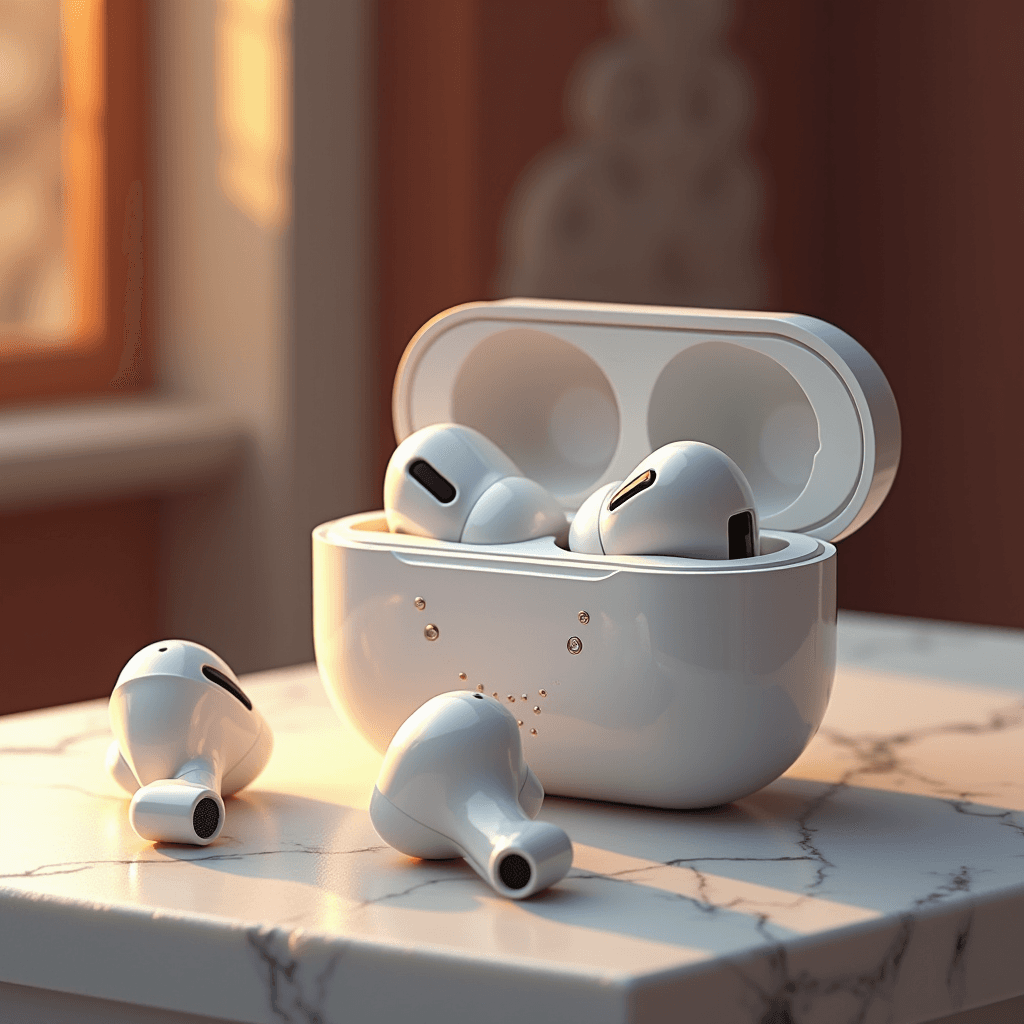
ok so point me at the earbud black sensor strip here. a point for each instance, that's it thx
(634, 487)
(216, 676)
(741, 535)
(424, 473)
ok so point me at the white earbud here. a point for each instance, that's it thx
(186, 736)
(450, 482)
(687, 498)
(454, 784)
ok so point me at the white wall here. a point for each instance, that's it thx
(267, 318)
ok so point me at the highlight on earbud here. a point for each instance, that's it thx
(454, 784)
(449, 482)
(186, 735)
(687, 499)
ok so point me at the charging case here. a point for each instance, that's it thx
(664, 681)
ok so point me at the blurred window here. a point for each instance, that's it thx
(72, 146)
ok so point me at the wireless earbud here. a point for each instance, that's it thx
(450, 482)
(687, 498)
(186, 736)
(454, 784)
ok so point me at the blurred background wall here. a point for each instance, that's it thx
(253, 121)
(318, 179)
(889, 151)
(260, 143)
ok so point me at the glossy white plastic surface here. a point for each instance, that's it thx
(491, 502)
(578, 393)
(696, 681)
(452, 785)
(648, 679)
(684, 510)
(181, 739)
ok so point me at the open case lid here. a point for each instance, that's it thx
(578, 393)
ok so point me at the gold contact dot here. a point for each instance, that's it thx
(495, 694)
(480, 687)
(533, 732)
(525, 697)
(520, 721)
(543, 693)
(462, 676)
(511, 698)
(536, 710)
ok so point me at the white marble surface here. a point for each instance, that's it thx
(882, 879)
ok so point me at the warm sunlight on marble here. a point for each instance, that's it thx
(885, 731)
(880, 879)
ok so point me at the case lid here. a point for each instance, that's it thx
(578, 393)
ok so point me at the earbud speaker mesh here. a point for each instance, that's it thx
(515, 871)
(205, 818)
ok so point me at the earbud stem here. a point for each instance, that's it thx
(515, 855)
(185, 809)
(531, 795)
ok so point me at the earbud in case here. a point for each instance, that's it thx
(646, 679)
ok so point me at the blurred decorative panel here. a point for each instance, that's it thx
(51, 172)
(654, 197)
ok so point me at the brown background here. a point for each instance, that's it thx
(891, 146)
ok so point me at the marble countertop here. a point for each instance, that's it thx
(881, 879)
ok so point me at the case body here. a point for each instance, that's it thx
(669, 682)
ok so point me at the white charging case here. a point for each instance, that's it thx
(664, 681)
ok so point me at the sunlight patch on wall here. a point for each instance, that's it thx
(253, 107)
(51, 100)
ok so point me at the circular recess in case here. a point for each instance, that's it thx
(745, 403)
(544, 402)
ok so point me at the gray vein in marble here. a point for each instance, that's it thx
(790, 997)
(628, 875)
(74, 866)
(807, 832)
(956, 972)
(445, 880)
(703, 901)
(1008, 819)
(286, 992)
(958, 881)
(880, 755)
(759, 919)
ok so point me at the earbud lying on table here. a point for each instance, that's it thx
(450, 482)
(186, 736)
(454, 784)
(687, 499)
